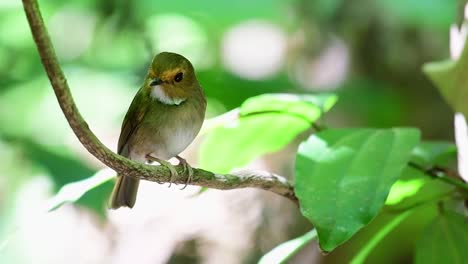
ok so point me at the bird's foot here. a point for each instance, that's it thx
(166, 164)
(187, 168)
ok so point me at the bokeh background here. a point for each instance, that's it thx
(369, 52)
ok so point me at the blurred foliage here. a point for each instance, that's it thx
(450, 76)
(434, 153)
(105, 47)
(449, 235)
(372, 243)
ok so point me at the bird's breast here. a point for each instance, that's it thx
(176, 128)
(179, 137)
(166, 130)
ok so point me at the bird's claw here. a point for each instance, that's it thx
(187, 168)
(167, 165)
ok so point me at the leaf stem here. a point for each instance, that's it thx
(441, 174)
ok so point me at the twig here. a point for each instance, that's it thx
(443, 174)
(123, 166)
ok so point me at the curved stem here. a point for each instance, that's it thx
(122, 165)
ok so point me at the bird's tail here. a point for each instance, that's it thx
(124, 193)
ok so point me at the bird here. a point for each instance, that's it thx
(164, 117)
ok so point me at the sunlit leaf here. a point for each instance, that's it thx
(403, 189)
(444, 241)
(414, 188)
(284, 251)
(72, 192)
(307, 106)
(267, 123)
(343, 177)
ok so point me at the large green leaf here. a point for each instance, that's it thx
(344, 176)
(444, 241)
(266, 124)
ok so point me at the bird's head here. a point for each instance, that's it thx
(171, 78)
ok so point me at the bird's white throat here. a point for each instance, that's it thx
(157, 92)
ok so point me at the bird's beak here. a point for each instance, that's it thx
(156, 81)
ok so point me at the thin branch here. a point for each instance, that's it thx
(444, 174)
(122, 165)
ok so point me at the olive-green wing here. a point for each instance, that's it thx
(132, 120)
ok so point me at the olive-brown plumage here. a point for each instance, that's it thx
(163, 119)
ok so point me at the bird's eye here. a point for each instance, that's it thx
(179, 76)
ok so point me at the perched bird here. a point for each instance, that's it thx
(163, 119)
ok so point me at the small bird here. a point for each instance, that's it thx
(163, 119)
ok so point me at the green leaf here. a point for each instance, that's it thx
(384, 231)
(451, 79)
(344, 176)
(414, 188)
(266, 124)
(403, 189)
(63, 169)
(74, 191)
(309, 107)
(431, 153)
(284, 251)
(444, 241)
